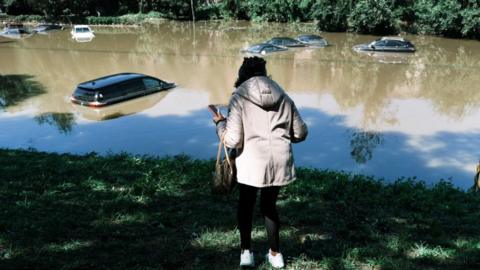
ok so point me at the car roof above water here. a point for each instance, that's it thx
(81, 26)
(393, 38)
(110, 80)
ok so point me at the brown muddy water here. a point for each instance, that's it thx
(391, 116)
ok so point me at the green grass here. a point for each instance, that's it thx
(129, 212)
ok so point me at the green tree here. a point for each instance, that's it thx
(441, 17)
(332, 15)
(372, 17)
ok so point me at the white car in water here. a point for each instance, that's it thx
(82, 33)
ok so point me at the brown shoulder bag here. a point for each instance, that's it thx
(225, 175)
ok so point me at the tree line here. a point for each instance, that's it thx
(451, 18)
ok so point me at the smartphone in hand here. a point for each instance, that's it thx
(214, 110)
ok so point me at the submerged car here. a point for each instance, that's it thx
(15, 31)
(285, 42)
(263, 48)
(116, 88)
(82, 33)
(387, 44)
(312, 40)
(43, 28)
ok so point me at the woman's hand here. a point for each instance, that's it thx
(218, 117)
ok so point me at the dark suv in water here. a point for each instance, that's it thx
(285, 42)
(116, 88)
(387, 44)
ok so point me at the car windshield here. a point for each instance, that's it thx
(256, 48)
(82, 30)
(310, 38)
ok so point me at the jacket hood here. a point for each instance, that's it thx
(261, 91)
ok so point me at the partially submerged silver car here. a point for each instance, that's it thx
(313, 40)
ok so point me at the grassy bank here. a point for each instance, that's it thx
(126, 212)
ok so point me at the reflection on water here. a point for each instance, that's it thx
(120, 109)
(62, 121)
(387, 115)
(15, 88)
(387, 58)
(363, 144)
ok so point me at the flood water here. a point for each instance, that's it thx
(384, 115)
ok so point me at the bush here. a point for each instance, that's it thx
(274, 10)
(4, 17)
(205, 12)
(331, 16)
(103, 20)
(372, 17)
(132, 18)
(29, 18)
(439, 18)
(471, 22)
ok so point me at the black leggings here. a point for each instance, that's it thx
(246, 203)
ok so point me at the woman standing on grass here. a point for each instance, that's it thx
(262, 122)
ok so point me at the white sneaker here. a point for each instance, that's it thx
(246, 258)
(275, 261)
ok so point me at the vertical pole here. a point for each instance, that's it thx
(193, 11)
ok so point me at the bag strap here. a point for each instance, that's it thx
(219, 152)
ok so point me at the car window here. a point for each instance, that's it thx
(256, 48)
(133, 86)
(380, 43)
(152, 84)
(276, 42)
(82, 30)
(394, 43)
(270, 49)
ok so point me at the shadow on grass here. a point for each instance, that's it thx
(127, 212)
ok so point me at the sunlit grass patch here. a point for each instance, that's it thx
(217, 239)
(423, 251)
(96, 184)
(68, 246)
(302, 262)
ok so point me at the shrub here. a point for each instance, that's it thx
(471, 22)
(29, 18)
(331, 16)
(133, 18)
(103, 20)
(440, 18)
(4, 17)
(205, 12)
(372, 17)
(274, 10)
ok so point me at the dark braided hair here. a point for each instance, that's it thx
(251, 67)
